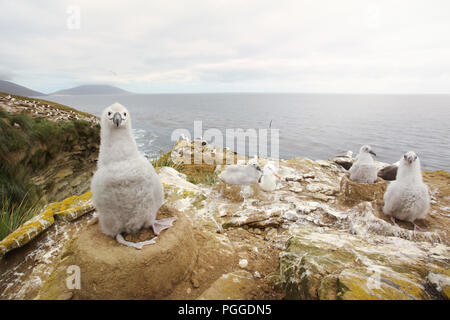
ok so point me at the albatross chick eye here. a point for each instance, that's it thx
(109, 113)
(124, 114)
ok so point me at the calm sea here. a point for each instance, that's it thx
(317, 126)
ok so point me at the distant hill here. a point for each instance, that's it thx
(90, 89)
(12, 88)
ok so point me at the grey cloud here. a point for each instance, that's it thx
(6, 74)
(229, 45)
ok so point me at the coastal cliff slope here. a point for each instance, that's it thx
(48, 150)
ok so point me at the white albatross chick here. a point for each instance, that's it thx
(364, 170)
(268, 181)
(126, 191)
(243, 263)
(407, 198)
(242, 174)
(183, 137)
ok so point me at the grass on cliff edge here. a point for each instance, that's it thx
(164, 160)
(30, 146)
(13, 215)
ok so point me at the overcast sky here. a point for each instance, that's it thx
(228, 46)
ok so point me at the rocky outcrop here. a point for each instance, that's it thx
(304, 240)
(69, 173)
(322, 263)
(335, 241)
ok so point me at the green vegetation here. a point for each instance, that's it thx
(27, 145)
(13, 215)
(30, 147)
(208, 179)
(165, 160)
(195, 173)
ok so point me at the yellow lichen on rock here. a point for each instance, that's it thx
(441, 282)
(72, 207)
(67, 210)
(28, 231)
(331, 264)
(361, 284)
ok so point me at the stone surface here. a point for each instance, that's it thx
(320, 263)
(231, 286)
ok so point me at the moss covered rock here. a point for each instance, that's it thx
(321, 263)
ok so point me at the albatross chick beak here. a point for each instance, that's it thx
(117, 119)
(371, 152)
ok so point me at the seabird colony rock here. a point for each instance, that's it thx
(328, 248)
(38, 109)
(324, 263)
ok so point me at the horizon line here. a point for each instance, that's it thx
(227, 92)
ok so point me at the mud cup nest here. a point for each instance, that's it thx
(109, 270)
(354, 191)
(235, 192)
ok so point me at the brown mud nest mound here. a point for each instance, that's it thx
(235, 193)
(354, 191)
(109, 270)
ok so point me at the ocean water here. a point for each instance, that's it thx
(317, 126)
